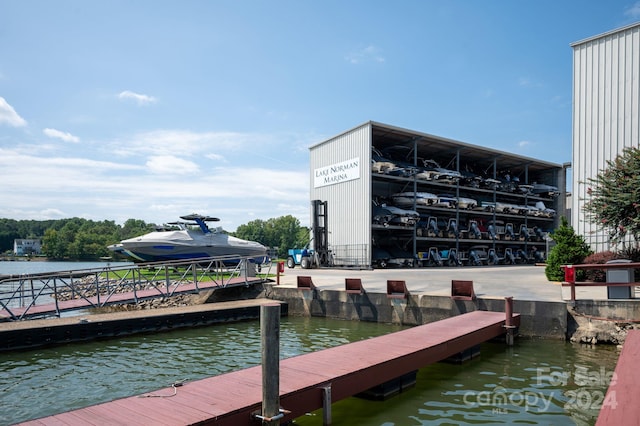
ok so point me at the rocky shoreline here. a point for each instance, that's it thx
(590, 330)
(209, 296)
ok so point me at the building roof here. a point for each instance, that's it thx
(606, 34)
(386, 136)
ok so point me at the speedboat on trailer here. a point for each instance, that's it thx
(192, 240)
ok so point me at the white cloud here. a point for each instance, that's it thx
(527, 82)
(165, 174)
(633, 11)
(168, 142)
(369, 53)
(9, 116)
(170, 164)
(216, 157)
(523, 144)
(138, 97)
(57, 134)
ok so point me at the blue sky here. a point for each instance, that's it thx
(156, 109)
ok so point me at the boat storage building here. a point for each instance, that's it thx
(383, 195)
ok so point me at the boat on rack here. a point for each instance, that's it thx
(189, 240)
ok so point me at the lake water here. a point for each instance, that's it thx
(535, 382)
(36, 266)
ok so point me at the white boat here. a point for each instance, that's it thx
(189, 240)
(419, 198)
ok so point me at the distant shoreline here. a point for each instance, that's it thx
(24, 259)
(43, 259)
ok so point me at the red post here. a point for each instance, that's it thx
(508, 311)
(570, 277)
(508, 321)
(280, 269)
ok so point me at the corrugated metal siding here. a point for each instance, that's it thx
(348, 203)
(606, 113)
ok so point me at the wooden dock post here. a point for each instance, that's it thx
(508, 322)
(270, 336)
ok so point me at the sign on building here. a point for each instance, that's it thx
(337, 173)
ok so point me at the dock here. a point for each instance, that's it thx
(34, 333)
(305, 380)
(620, 404)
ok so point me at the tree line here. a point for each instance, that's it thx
(84, 239)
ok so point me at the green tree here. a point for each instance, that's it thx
(570, 249)
(52, 245)
(283, 232)
(256, 230)
(79, 239)
(134, 228)
(8, 233)
(614, 197)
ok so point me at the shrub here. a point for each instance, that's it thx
(631, 253)
(599, 258)
(570, 249)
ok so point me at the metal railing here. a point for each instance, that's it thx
(350, 255)
(570, 276)
(48, 294)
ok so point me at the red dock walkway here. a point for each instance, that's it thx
(229, 399)
(620, 404)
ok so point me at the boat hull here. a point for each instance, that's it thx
(181, 245)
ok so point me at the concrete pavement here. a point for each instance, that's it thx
(522, 282)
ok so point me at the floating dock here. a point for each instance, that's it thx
(305, 380)
(21, 335)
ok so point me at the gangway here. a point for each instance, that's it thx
(40, 295)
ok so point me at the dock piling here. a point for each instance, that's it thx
(270, 336)
(326, 405)
(508, 322)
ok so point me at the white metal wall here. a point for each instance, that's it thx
(606, 113)
(349, 202)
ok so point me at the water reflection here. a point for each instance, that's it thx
(535, 382)
(47, 381)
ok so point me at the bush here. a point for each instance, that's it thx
(631, 253)
(570, 249)
(598, 275)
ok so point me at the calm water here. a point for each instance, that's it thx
(32, 267)
(534, 382)
(48, 381)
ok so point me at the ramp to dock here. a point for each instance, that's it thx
(231, 398)
(50, 294)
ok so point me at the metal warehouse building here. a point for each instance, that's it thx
(383, 195)
(606, 113)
